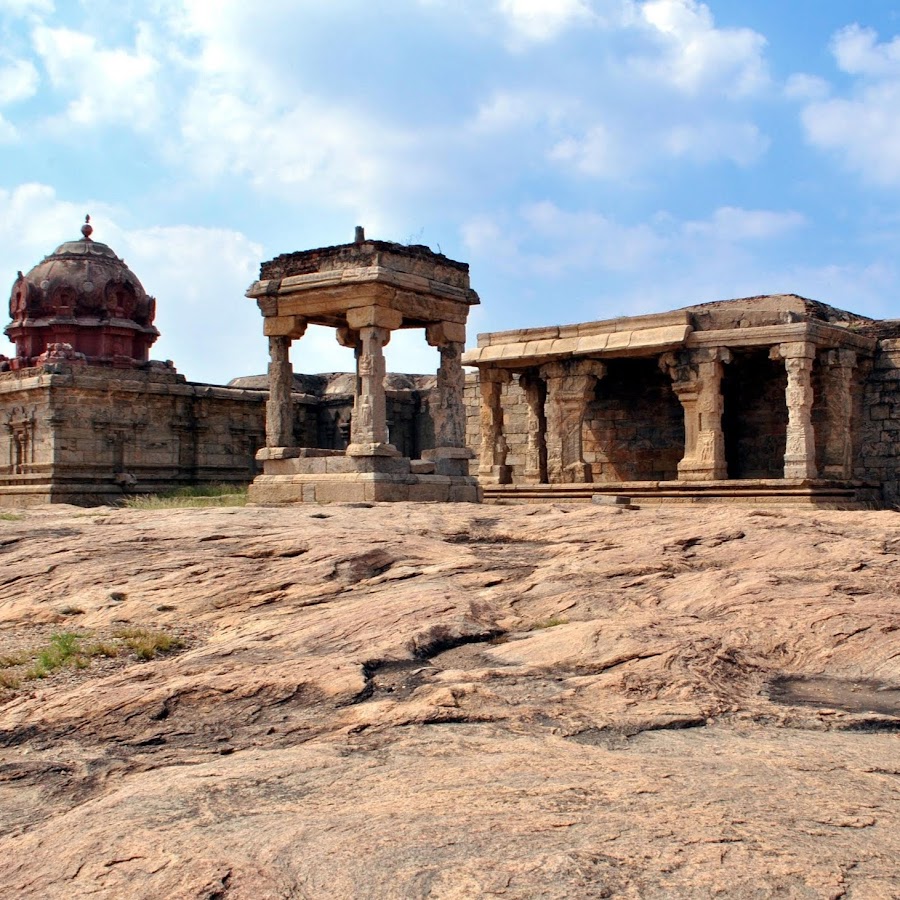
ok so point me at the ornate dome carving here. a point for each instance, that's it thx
(82, 294)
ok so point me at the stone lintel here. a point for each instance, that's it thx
(678, 318)
(356, 277)
(642, 342)
(821, 334)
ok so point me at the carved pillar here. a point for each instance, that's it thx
(368, 427)
(492, 459)
(697, 382)
(838, 368)
(800, 446)
(450, 454)
(570, 386)
(280, 407)
(535, 471)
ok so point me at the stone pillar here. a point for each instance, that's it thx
(570, 386)
(535, 471)
(492, 466)
(450, 454)
(368, 427)
(280, 406)
(838, 367)
(697, 382)
(800, 446)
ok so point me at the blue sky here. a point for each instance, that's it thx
(588, 158)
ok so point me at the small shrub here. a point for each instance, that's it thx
(9, 681)
(72, 611)
(8, 660)
(11, 517)
(146, 643)
(552, 622)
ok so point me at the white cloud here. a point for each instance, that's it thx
(738, 142)
(26, 7)
(611, 152)
(863, 127)
(733, 224)
(801, 86)
(601, 153)
(543, 20)
(696, 56)
(858, 52)
(18, 81)
(107, 85)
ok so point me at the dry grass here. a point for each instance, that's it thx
(191, 497)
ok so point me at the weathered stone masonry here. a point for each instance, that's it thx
(765, 394)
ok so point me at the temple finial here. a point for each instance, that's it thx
(87, 229)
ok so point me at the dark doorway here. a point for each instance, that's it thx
(755, 418)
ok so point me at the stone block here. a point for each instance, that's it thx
(429, 492)
(340, 491)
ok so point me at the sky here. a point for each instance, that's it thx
(588, 158)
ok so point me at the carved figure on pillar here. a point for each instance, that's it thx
(535, 471)
(570, 387)
(492, 462)
(800, 445)
(697, 382)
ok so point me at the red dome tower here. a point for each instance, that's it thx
(81, 302)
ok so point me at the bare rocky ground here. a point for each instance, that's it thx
(456, 702)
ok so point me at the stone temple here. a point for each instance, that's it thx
(774, 399)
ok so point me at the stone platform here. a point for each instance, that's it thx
(820, 494)
(309, 475)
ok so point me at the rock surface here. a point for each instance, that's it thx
(456, 702)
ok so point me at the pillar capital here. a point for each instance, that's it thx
(573, 368)
(377, 316)
(439, 334)
(794, 350)
(293, 327)
(347, 337)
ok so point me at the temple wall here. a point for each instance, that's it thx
(878, 457)
(634, 428)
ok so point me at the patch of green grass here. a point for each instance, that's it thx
(72, 650)
(552, 622)
(191, 496)
(11, 517)
(146, 643)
